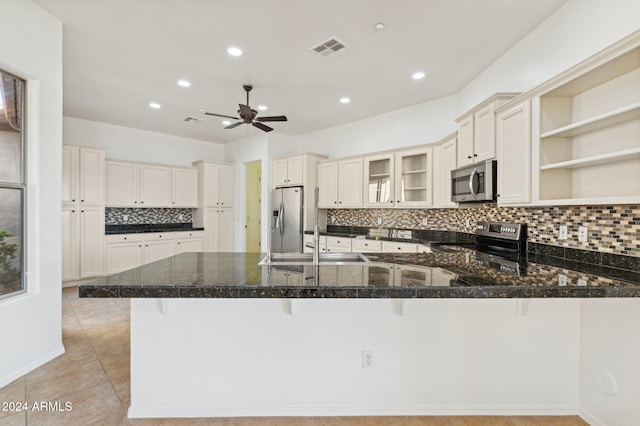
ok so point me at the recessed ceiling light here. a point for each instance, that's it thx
(379, 26)
(226, 122)
(345, 100)
(154, 105)
(262, 107)
(183, 83)
(418, 75)
(234, 51)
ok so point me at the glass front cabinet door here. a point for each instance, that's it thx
(379, 180)
(413, 178)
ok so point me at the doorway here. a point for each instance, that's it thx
(254, 206)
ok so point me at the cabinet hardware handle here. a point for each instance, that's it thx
(135, 202)
(73, 211)
(468, 156)
(475, 155)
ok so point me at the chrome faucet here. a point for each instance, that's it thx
(316, 231)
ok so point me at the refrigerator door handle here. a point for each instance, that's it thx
(281, 218)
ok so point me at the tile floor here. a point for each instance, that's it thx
(93, 374)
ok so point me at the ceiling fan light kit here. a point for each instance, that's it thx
(249, 115)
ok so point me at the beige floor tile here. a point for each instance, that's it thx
(372, 420)
(116, 366)
(13, 392)
(77, 351)
(118, 419)
(101, 318)
(55, 385)
(90, 307)
(122, 386)
(15, 419)
(89, 405)
(70, 292)
(112, 339)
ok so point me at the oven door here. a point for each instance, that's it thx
(473, 183)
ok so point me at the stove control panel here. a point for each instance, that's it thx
(501, 230)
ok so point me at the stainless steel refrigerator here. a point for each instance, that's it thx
(286, 220)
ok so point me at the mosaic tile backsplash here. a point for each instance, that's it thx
(612, 229)
(137, 216)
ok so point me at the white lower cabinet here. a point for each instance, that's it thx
(338, 245)
(219, 230)
(189, 242)
(82, 242)
(393, 247)
(126, 251)
(366, 246)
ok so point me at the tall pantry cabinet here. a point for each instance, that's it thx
(83, 179)
(216, 212)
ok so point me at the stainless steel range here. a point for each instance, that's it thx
(502, 246)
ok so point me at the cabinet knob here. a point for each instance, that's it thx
(146, 245)
(125, 238)
(81, 211)
(73, 211)
(139, 245)
(82, 201)
(74, 200)
(222, 204)
(141, 202)
(173, 202)
(178, 242)
(398, 248)
(475, 155)
(391, 201)
(135, 202)
(468, 156)
(159, 236)
(335, 202)
(340, 202)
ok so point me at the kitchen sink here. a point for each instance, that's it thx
(307, 259)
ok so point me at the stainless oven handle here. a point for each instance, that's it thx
(471, 177)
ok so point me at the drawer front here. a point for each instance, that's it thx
(124, 238)
(391, 247)
(189, 234)
(366, 246)
(308, 240)
(424, 249)
(338, 249)
(339, 242)
(155, 236)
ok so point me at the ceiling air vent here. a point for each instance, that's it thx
(331, 48)
(193, 120)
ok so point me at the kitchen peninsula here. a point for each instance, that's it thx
(215, 335)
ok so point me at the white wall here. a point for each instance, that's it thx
(610, 362)
(30, 324)
(257, 147)
(576, 31)
(415, 125)
(124, 143)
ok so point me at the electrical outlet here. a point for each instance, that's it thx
(582, 282)
(562, 280)
(367, 359)
(562, 233)
(379, 221)
(180, 217)
(333, 219)
(125, 217)
(425, 221)
(583, 233)
(468, 222)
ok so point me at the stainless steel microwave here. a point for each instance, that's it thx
(474, 183)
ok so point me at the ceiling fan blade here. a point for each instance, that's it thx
(273, 118)
(231, 126)
(245, 111)
(262, 127)
(220, 115)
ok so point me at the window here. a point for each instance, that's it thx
(12, 184)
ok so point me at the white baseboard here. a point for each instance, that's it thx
(590, 418)
(31, 366)
(377, 410)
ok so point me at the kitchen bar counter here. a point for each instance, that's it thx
(452, 272)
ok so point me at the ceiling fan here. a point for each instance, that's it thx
(248, 115)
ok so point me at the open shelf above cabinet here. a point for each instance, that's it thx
(608, 119)
(594, 160)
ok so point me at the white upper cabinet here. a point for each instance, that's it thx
(379, 180)
(340, 183)
(587, 138)
(413, 178)
(328, 185)
(155, 186)
(513, 141)
(216, 184)
(444, 160)
(184, 187)
(289, 171)
(83, 175)
(477, 131)
(123, 184)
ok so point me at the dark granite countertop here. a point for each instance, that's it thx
(454, 272)
(155, 227)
